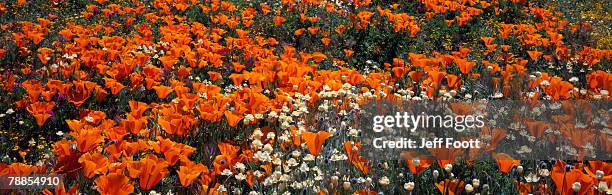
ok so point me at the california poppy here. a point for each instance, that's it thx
(189, 172)
(41, 111)
(352, 150)
(114, 184)
(149, 170)
(163, 91)
(505, 162)
(451, 186)
(315, 141)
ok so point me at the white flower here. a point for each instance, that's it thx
(153, 192)
(221, 189)
(498, 95)
(576, 186)
(296, 154)
(271, 135)
(602, 186)
(309, 157)
(89, 119)
(544, 172)
(292, 162)
(448, 167)
(469, 188)
(32, 142)
(409, 186)
(257, 173)
(597, 96)
(10, 111)
(257, 134)
(59, 133)
(475, 183)
(227, 172)
(268, 148)
(2, 115)
(353, 132)
(240, 166)
(248, 118)
(262, 156)
(240, 176)
(573, 79)
(532, 178)
(304, 167)
(599, 174)
(256, 144)
(384, 181)
(524, 149)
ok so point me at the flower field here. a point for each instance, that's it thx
(265, 96)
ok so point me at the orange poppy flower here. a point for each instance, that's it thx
(598, 165)
(44, 54)
(214, 75)
(149, 170)
(60, 190)
(137, 108)
(278, 20)
(451, 187)
(315, 141)
(88, 139)
(94, 164)
(232, 118)
(227, 157)
(189, 172)
(18, 168)
(505, 162)
(33, 89)
(536, 128)
(465, 66)
(564, 179)
(496, 134)
(534, 54)
(80, 92)
(41, 111)
(114, 184)
(352, 150)
(417, 162)
(163, 91)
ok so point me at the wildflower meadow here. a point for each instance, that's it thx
(292, 96)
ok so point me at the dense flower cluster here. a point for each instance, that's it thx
(261, 97)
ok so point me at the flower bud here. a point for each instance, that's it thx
(334, 180)
(409, 186)
(544, 172)
(519, 169)
(384, 181)
(448, 167)
(368, 181)
(435, 174)
(599, 174)
(476, 183)
(346, 185)
(576, 186)
(469, 188)
(602, 186)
